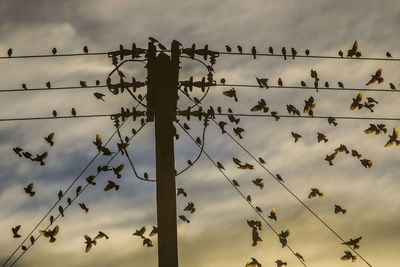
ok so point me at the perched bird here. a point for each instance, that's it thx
(18, 151)
(50, 233)
(15, 231)
(332, 120)
(353, 51)
(315, 192)
(296, 136)
(61, 210)
(181, 191)
(309, 106)
(280, 83)
(298, 255)
(97, 82)
(367, 163)
(271, 50)
(393, 138)
(284, 52)
(221, 125)
(111, 185)
(60, 195)
(235, 183)
(307, 52)
(83, 206)
(302, 83)
(48, 84)
(254, 51)
(272, 215)
(342, 148)
(183, 218)
(261, 160)
(261, 105)
(223, 81)
(339, 209)
(348, 256)
(54, 51)
(392, 86)
(283, 237)
(376, 77)
(291, 109)
(190, 207)
(240, 49)
(24, 86)
(9, 52)
(69, 201)
(253, 263)
(49, 139)
(231, 93)
(274, 114)
(99, 95)
(340, 84)
(85, 49)
(326, 84)
(29, 189)
(355, 154)
(154, 231)
(219, 165)
(78, 190)
(32, 239)
(118, 169)
(321, 137)
(294, 52)
(279, 178)
(248, 198)
(340, 53)
(356, 102)
(228, 48)
(388, 54)
(140, 232)
(73, 112)
(259, 182)
(54, 113)
(280, 263)
(89, 242)
(262, 82)
(353, 242)
(51, 219)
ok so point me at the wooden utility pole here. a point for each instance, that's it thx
(163, 73)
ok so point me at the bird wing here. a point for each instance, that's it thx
(44, 233)
(54, 232)
(30, 187)
(355, 46)
(395, 133)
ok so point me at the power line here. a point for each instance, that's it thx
(309, 88)
(53, 88)
(293, 194)
(230, 181)
(58, 117)
(56, 55)
(83, 189)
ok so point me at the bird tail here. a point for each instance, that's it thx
(344, 211)
(116, 187)
(42, 163)
(52, 239)
(51, 143)
(32, 194)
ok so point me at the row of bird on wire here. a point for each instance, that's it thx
(54, 51)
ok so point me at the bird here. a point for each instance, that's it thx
(240, 49)
(48, 84)
(50, 233)
(219, 165)
(49, 139)
(111, 185)
(238, 131)
(340, 53)
(118, 169)
(254, 224)
(376, 77)
(24, 86)
(371, 100)
(393, 138)
(90, 179)
(41, 158)
(147, 242)
(280, 83)
(271, 50)
(369, 106)
(348, 256)
(274, 114)
(60, 195)
(388, 54)
(372, 129)
(89, 242)
(342, 148)
(259, 182)
(54, 113)
(279, 178)
(83, 206)
(9, 52)
(332, 120)
(298, 255)
(223, 81)
(261, 160)
(321, 137)
(291, 109)
(32, 239)
(367, 163)
(339, 209)
(183, 218)
(309, 106)
(190, 207)
(29, 189)
(228, 48)
(296, 136)
(262, 82)
(18, 151)
(294, 52)
(356, 102)
(83, 84)
(261, 105)
(315, 192)
(272, 215)
(392, 86)
(255, 237)
(181, 191)
(73, 112)
(307, 52)
(78, 190)
(253, 263)
(69, 201)
(231, 93)
(254, 51)
(340, 84)
(85, 49)
(355, 154)
(283, 237)
(353, 242)
(302, 83)
(27, 155)
(97, 82)
(154, 231)
(280, 263)
(353, 51)
(326, 84)
(248, 198)
(61, 210)
(54, 51)
(15, 231)
(284, 53)
(140, 232)
(51, 219)
(235, 183)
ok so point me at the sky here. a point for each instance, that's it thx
(218, 234)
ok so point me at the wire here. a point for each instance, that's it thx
(230, 181)
(83, 189)
(52, 89)
(57, 118)
(310, 88)
(56, 55)
(293, 194)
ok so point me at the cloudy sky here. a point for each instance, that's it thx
(218, 234)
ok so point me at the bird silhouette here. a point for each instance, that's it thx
(339, 209)
(51, 219)
(49, 139)
(18, 151)
(298, 255)
(228, 48)
(54, 51)
(69, 201)
(101, 235)
(353, 242)
(271, 50)
(284, 53)
(78, 190)
(60, 195)
(89, 242)
(73, 112)
(279, 178)
(307, 52)
(41, 158)
(111, 185)
(354, 50)
(27, 155)
(261, 105)
(54, 113)
(98, 143)
(253, 263)
(393, 138)
(356, 102)
(340, 84)
(259, 209)
(261, 160)
(240, 49)
(262, 82)
(355, 154)
(367, 163)
(154, 231)
(147, 242)
(61, 210)
(140, 232)
(254, 224)
(272, 215)
(118, 169)
(183, 218)
(309, 106)
(388, 54)
(340, 53)
(259, 182)
(283, 237)
(348, 256)
(181, 191)
(9, 52)
(231, 93)
(223, 81)
(332, 121)
(274, 114)
(254, 52)
(248, 198)
(369, 106)
(32, 239)
(280, 83)
(326, 84)
(280, 263)
(296, 136)
(321, 137)
(303, 84)
(83, 206)
(315, 192)
(48, 85)
(29, 189)
(238, 131)
(190, 207)
(85, 49)
(342, 148)
(294, 52)
(15, 231)
(24, 86)
(392, 86)
(50, 233)
(235, 183)
(376, 77)
(255, 237)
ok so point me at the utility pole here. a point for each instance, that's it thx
(163, 73)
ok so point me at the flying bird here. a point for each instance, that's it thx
(183, 218)
(376, 77)
(261, 105)
(353, 242)
(321, 137)
(262, 82)
(29, 189)
(181, 191)
(154, 231)
(111, 185)
(354, 50)
(253, 263)
(50, 233)
(83, 206)
(190, 207)
(99, 95)
(238, 131)
(118, 169)
(49, 139)
(348, 256)
(15, 231)
(272, 215)
(41, 158)
(356, 102)
(89, 242)
(332, 120)
(367, 163)
(355, 154)
(309, 106)
(342, 148)
(283, 237)
(27, 155)
(259, 182)
(393, 138)
(140, 232)
(231, 93)
(280, 263)
(18, 151)
(339, 209)
(315, 192)
(296, 136)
